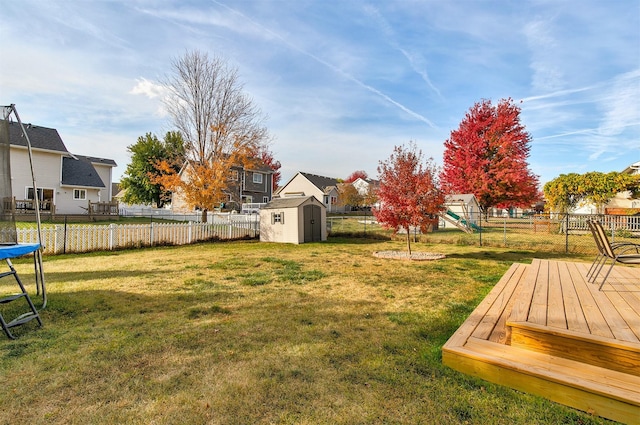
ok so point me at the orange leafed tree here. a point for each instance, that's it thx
(222, 128)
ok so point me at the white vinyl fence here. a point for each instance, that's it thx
(60, 239)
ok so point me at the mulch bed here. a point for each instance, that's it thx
(403, 255)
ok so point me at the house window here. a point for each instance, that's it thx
(265, 199)
(234, 175)
(326, 200)
(334, 200)
(257, 178)
(79, 194)
(277, 218)
(45, 197)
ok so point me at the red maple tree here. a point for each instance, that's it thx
(267, 157)
(409, 194)
(487, 156)
(358, 174)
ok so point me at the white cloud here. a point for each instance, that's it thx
(148, 88)
(621, 105)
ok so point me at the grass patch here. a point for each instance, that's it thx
(247, 332)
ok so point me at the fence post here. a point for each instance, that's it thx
(189, 231)
(112, 229)
(566, 233)
(504, 220)
(57, 228)
(151, 233)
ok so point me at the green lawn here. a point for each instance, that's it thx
(253, 333)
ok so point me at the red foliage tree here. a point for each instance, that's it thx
(409, 194)
(359, 174)
(487, 156)
(267, 157)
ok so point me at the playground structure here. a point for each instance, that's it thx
(9, 246)
(461, 219)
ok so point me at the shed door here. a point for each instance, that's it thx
(312, 224)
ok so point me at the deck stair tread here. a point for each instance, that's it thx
(603, 381)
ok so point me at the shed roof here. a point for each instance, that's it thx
(290, 202)
(459, 197)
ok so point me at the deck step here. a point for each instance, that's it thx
(593, 389)
(621, 356)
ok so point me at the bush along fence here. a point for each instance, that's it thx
(60, 238)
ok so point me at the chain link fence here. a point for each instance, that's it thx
(562, 233)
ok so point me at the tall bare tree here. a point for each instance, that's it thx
(220, 124)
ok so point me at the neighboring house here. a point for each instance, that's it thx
(246, 186)
(294, 219)
(66, 182)
(325, 189)
(366, 187)
(622, 203)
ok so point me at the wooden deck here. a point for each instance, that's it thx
(545, 330)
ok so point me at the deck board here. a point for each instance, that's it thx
(556, 315)
(592, 313)
(573, 311)
(459, 338)
(495, 315)
(540, 299)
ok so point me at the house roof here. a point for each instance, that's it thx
(40, 137)
(290, 202)
(632, 169)
(321, 182)
(79, 171)
(96, 160)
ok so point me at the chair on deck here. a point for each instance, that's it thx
(620, 252)
(601, 255)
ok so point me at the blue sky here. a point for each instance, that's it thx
(341, 81)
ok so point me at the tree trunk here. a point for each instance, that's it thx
(204, 216)
(408, 240)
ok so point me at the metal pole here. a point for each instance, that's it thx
(37, 205)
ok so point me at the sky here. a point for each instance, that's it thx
(340, 82)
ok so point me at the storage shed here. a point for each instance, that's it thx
(295, 219)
